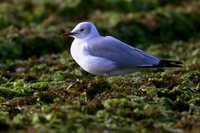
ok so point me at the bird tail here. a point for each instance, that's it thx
(168, 63)
(165, 63)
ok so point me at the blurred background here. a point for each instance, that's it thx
(43, 89)
(34, 28)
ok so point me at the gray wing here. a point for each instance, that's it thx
(120, 53)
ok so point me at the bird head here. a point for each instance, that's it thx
(83, 30)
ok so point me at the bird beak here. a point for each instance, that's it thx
(67, 34)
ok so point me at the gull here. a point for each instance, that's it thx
(108, 56)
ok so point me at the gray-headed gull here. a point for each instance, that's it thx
(108, 56)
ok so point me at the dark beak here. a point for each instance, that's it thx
(67, 34)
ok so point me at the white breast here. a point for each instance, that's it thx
(91, 64)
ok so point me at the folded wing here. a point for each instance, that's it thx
(123, 55)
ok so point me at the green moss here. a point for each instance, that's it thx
(4, 121)
(43, 89)
(40, 85)
(2, 99)
(39, 68)
(8, 93)
(194, 77)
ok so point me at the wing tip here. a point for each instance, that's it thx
(169, 63)
(164, 63)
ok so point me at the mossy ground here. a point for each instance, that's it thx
(42, 89)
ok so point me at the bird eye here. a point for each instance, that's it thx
(81, 30)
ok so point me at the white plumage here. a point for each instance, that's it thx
(108, 56)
